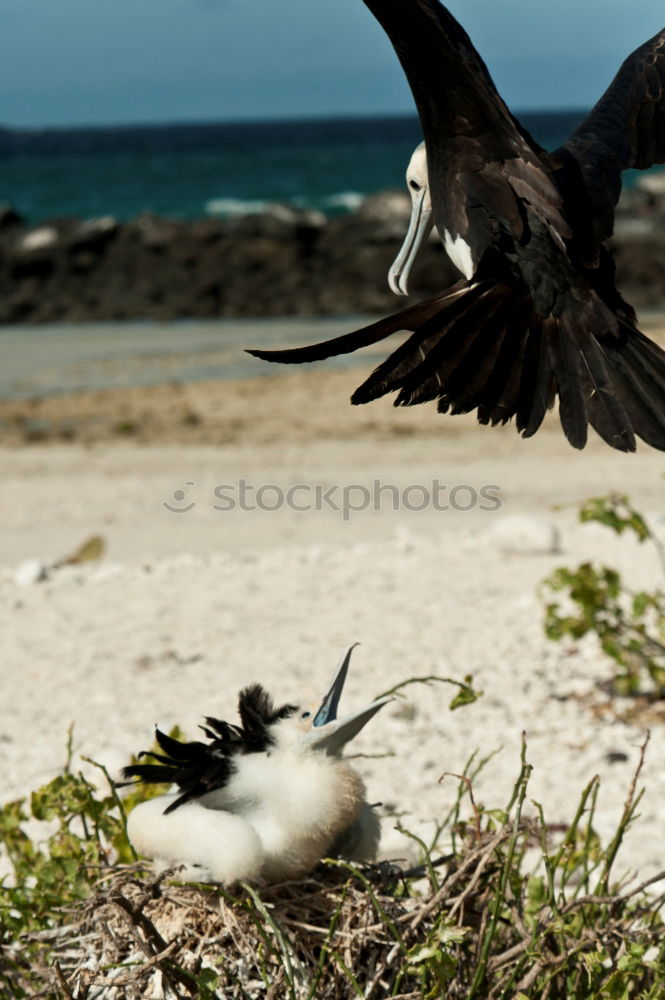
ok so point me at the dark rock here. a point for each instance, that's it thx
(155, 232)
(93, 234)
(279, 262)
(37, 244)
(9, 217)
(387, 215)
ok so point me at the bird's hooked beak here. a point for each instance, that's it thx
(329, 733)
(420, 224)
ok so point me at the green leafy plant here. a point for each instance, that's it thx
(503, 906)
(629, 625)
(84, 833)
(520, 909)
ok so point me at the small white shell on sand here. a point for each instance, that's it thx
(29, 572)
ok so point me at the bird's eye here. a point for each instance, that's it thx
(414, 185)
(305, 715)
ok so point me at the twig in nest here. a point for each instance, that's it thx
(476, 812)
(132, 977)
(64, 985)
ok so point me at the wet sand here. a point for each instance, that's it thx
(59, 359)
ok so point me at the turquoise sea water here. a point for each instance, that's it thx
(189, 171)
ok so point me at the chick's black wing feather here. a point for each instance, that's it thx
(257, 714)
(197, 767)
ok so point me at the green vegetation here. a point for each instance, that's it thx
(630, 626)
(86, 832)
(516, 909)
(506, 905)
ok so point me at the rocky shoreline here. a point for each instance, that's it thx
(282, 262)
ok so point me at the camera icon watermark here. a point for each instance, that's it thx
(178, 505)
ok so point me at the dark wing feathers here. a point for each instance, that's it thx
(196, 767)
(451, 85)
(641, 385)
(216, 729)
(626, 128)
(400, 367)
(543, 316)
(537, 382)
(469, 355)
(458, 364)
(468, 376)
(568, 365)
(496, 354)
(607, 413)
(257, 713)
(406, 319)
(477, 152)
(502, 391)
(176, 750)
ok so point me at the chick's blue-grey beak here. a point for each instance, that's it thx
(330, 733)
(328, 709)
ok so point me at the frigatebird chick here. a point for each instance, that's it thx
(262, 801)
(537, 315)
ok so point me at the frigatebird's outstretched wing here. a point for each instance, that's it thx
(539, 316)
(451, 84)
(476, 149)
(626, 128)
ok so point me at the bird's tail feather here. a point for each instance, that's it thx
(482, 346)
(407, 319)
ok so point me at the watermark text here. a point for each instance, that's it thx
(345, 499)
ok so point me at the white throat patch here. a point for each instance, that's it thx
(459, 252)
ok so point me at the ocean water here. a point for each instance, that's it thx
(192, 170)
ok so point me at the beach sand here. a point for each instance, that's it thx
(187, 606)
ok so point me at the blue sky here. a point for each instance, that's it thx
(89, 61)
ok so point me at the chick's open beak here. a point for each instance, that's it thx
(329, 733)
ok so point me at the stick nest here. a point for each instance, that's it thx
(141, 936)
(470, 927)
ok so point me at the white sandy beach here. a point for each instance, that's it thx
(186, 608)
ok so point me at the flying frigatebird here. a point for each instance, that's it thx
(538, 314)
(262, 801)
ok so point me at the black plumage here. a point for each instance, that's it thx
(539, 314)
(197, 767)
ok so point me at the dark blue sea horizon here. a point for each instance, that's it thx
(192, 170)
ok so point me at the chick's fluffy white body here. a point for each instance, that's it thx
(279, 815)
(262, 803)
